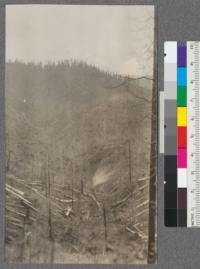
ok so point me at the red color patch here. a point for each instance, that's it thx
(182, 137)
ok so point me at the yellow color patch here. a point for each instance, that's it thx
(182, 116)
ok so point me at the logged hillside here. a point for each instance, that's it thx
(78, 155)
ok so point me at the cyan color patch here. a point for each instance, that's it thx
(182, 76)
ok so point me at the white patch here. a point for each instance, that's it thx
(101, 176)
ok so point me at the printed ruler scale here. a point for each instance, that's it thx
(193, 175)
(182, 134)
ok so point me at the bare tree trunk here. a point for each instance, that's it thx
(129, 162)
(105, 229)
(27, 242)
(82, 186)
(51, 237)
(63, 173)
(8, 161)
(72, 183)
(32, 177)
(23, 243)
(153, 161)
(130, 178)
(52, 253)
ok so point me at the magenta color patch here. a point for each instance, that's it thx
(182, 158)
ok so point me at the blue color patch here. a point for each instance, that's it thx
(182, 76)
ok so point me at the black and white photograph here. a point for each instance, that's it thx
(80, 115)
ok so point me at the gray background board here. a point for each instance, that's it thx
(178, 248)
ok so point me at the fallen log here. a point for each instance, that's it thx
(15, 212)
(15, 190)
(141, 212)
(14, 219)
(138, 232)
(17, 224)
(17, 195)
(90, 195)
(122, 201)
(142, 204)
(64, 200)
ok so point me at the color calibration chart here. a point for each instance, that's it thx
(182, 134)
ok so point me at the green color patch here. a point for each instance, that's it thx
(182, 96)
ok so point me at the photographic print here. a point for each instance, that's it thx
(80, 107)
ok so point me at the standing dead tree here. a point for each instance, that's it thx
(63, 174)
(130, 178)
(105, 228)
(8, 161)
(50, 225)
(129, 162)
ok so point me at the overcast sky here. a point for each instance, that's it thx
(114, 38)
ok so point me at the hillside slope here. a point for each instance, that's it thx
(78, 149)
